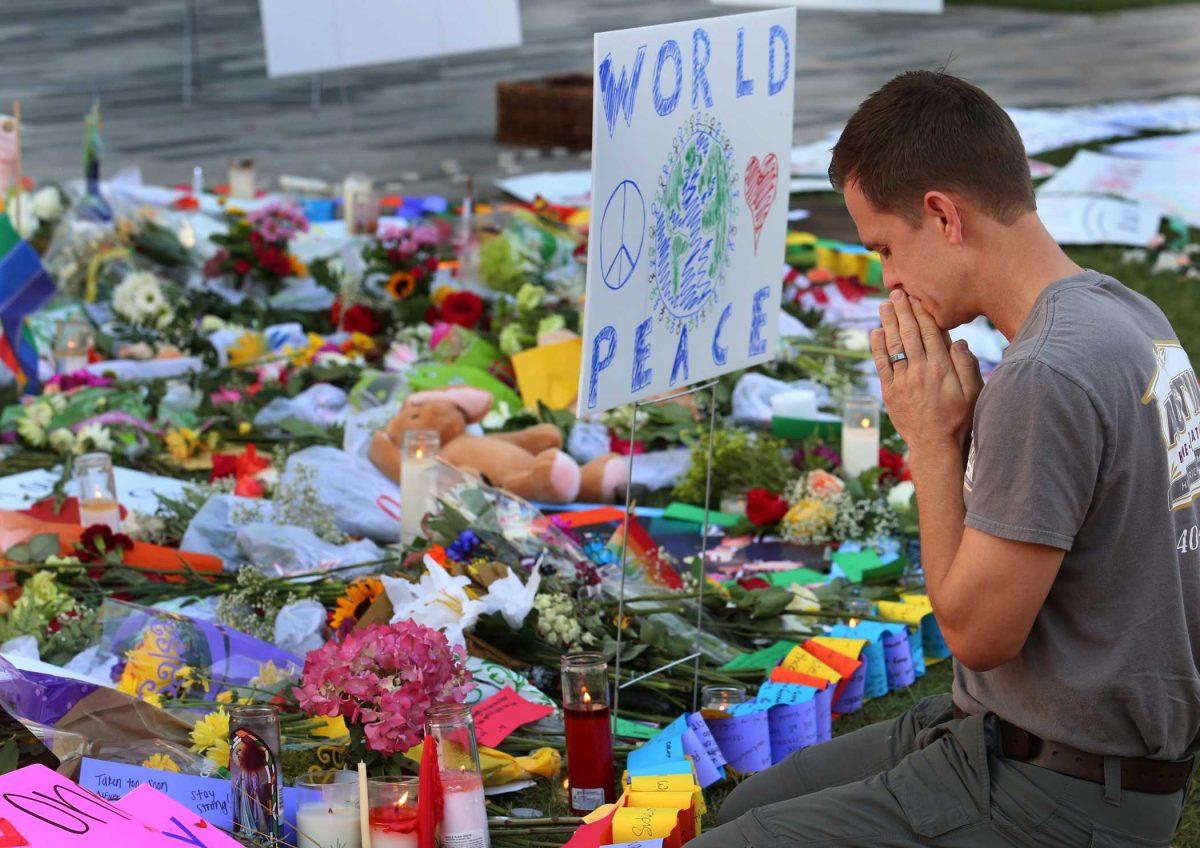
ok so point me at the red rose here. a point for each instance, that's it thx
(248, 487)
(431, 264)
(362, 319)
(462, 308)
(241, 267)
(764, 508)
(216, 263)
(625, 447)
(893, 465)
(752, 583)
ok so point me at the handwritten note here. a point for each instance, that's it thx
(766, 658)
(696, 722)
(849, 694)
(173, 819)
(744, 737)
(633, 823)
(793, 726)
(644, 843)
(207, 797)
(501, 714)
(876, 682)
(802, 661)
(681, 801)
(42, 809)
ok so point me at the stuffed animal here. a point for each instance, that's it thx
(530, 463)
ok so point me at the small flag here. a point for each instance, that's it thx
(25, 287)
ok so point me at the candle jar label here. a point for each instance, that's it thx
(586, 799)
(471, 839)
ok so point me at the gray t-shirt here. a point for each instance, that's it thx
(1085, 439)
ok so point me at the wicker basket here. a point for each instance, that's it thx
(551, 112)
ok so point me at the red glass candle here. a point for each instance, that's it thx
(589, 732)
(393, 812)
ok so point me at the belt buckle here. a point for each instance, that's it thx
(1016, 743)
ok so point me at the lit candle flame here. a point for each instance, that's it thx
(587, 696)
(854, 622)
(403, 800)
(866, 423)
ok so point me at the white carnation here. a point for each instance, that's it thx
(95, 437)
(139, 299)
(900, 495)
(47, 204)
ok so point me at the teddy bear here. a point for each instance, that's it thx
(529, 463)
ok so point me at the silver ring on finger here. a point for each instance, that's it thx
(897, 357)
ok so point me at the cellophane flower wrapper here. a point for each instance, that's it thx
(154, 648)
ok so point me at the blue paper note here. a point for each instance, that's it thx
(932, 641)
(657, 767)
(917, 649)
(707, 772)
(850, 701)
(696, 722)
(875, 684)
(898, 657)
(824, 708)
(207, 797)
(792, 727)
(744, 737)
(666, 747)
(785, 693)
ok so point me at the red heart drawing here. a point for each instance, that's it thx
(762, 182)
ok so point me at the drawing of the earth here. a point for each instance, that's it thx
(692, 230)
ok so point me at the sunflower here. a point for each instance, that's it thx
(358, 598)
(249, 347)
(401, 285)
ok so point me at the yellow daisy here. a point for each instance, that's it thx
(334, 728)
(210, 731)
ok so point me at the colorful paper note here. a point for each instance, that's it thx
(876, 682)
(793, 717)
(768, 657)
(549, 374)
(744, 737)
(174, 820)
(42, 809)
(801, 576)
(853, 564)
(849, 694)
(676, 511)
(501, 714)
(786, 675)
(699, 726)
(633, 823)
(632, 729)
(802, 661)
(641, 843)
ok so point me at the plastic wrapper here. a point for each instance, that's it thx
(322, 405)
(753, 392)
(299, 627)
(363, 501)
(168, 653)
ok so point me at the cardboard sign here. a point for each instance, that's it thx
(691, 133)
(174, 820)
(501, 714)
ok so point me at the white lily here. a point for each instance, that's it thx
(512, 598)
(439, 601)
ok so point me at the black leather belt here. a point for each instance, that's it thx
(1138, 774)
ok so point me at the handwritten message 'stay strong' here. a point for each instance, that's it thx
(691, 121)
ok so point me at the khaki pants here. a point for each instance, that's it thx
(926, 778)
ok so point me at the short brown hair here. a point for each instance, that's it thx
(927, 130)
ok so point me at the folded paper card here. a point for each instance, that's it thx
(174, 819)
(501, 714)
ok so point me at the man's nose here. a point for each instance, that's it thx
(892, 283)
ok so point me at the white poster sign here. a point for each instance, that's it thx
(1095, 219)
(311, 36)
(1172, 185)
(913, 6)
(691, 137)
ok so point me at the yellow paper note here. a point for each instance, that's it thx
(633, 823)
(846, 647)
(662, 783)
(802, 661)
(549, 374)
(908, 613)
(918, 600)
(679, 800)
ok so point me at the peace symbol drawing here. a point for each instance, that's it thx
(622, 233)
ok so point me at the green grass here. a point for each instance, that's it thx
(1087, 6)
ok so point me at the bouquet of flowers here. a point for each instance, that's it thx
(256, 246)
(382, 679)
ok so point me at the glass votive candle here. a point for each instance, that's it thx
(97, 491)
(860, 434)
(722, 698)
(464, 808)
(328, 813)
(361, 208)
(588, 731)
(418, 457)
(255, 794)
(393, 812)
(241, 179)
(71, 345)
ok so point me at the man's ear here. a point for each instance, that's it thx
(946, 213)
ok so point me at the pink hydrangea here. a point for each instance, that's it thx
(278, 222)
(384, 678)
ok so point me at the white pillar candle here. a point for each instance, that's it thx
(414, 496)
(324, 825)
(241, 179)
(860, 449)
(464, 814)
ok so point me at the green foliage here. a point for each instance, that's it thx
(499, 265)
(741, 460)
